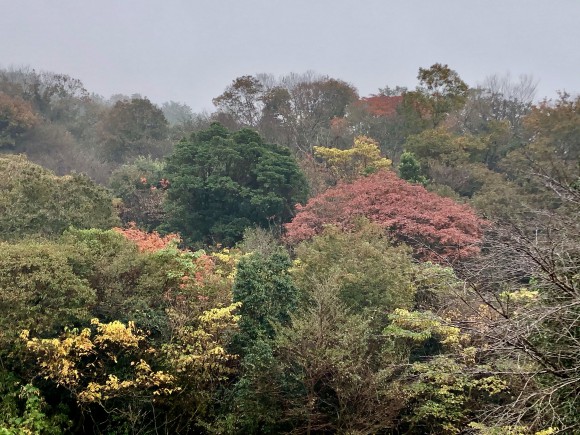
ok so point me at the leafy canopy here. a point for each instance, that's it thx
(436, 228)
(223, 182)
(34, 201)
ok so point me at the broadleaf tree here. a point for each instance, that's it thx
(222, 182)
(437, 228)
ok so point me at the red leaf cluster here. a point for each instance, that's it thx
(438, 229)
(147, 242)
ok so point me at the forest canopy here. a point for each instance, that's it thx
(303, 259)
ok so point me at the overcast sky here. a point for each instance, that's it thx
(190, 50)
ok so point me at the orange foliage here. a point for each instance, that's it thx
(147, 242)
(381, 105)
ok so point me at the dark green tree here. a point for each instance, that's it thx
(266, 290)
(410, 169)
(222, 182)
(264, 286)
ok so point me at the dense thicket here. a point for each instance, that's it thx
(429, 284)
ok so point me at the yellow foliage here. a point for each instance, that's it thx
(82, 361)
(117, 333)
(363, 158)
(509, 430)
(522, 295)
(420, 326)
(199, 354)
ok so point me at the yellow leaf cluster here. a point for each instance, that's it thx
(82, 362)
(58, 357)
(117, 333)
(420, 326)
(200, 354)
(363, 158)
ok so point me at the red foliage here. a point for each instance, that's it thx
(381, 105)
(438, 229)
(147, 242)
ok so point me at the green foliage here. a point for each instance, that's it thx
(33, 201)
(144, 172)
(129, 284)
(443, 386)
(222, 182)
(440, 91)
(353, 336)
(329, 356)
(23, 410)
(39, 291)
(437, 287)
(241, 100)
(410, 169)
(444, 147)
(265, 288)
(371, 274)
(453, 160)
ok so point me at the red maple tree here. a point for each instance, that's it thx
(438, 229)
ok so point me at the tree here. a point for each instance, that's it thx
(57, 97)
(222, 182)
(370, 274)
(509, 100)
(16, 117)
(442, 380)
(498, 99)
(132, 128)
(328, 354)
(362, 159)
(142, 188)
(39, 291)
(551, 154)
(34, 201)
(527, 286)
(440, 91)
(450, 159)
(242, 100)
(298, 111)
(410, 169)
(23, 409)
(436, 228)
(267, 294)
(177, 113)
(107, 366)
(386, 118)
(383, 106)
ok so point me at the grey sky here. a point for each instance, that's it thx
(190, 50)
